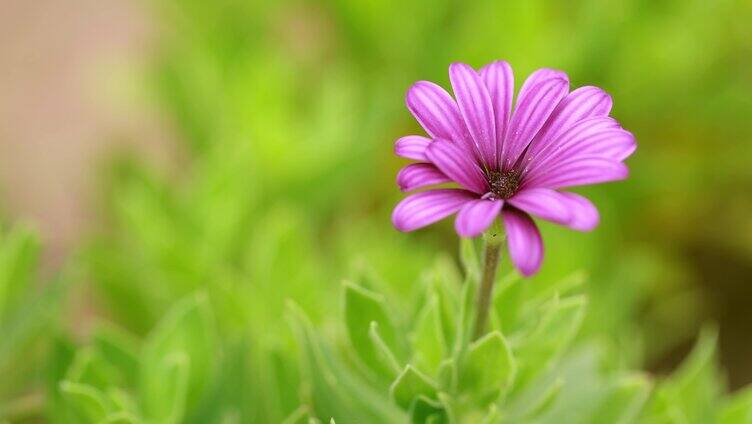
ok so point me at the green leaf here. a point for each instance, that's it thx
(493, 416)
(119, 349)
(469, 258)
(424, 409)
(560, 322)
(429, 346)
(122, 400)
(446, 284)
(121, 418)
(385, 353)
(738, 409)
(447, 375)
(362, 307)
(465, 319)
(19, 254)
(84, 402)
(695, 388)
(411, 384)
(536, 401)
(332, 390)
(489, 368)
(507, 303)
(178, 360)
(89, 367)
(624, 401)
(171, 390)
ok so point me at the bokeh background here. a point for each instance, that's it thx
(244, 148)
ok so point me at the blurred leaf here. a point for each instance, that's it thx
(385, 353)
(333, 391)
(426, 410)
(507, 303)
(624, 402)
(90, 368)
(559, 322)
(427, 338)
(537, 401)
(411, 384)
(362, 307)
(489, 368)
(178, 360)
(19, 253)
(84, 402)
(119, 349)
(470, 261)
(738, 409)
(694, 389)
(121, 418)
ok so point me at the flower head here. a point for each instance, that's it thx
(508, 162)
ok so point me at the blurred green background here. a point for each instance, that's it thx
(244, 149)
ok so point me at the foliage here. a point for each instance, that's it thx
(529, 367)
(214, 289)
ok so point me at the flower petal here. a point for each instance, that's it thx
(457, 165)
(475, 106)
(425, 208)
(601, 137)
(585, 215)
(417, 175)
(533, 109)
(582, 103)
(476, 216)
(436, 111)
(543, 203)
(568, 209)
(412, 147)
(524, 240)
(499, 80)
(580, 171)
(538, 76)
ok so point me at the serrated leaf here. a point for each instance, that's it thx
(181, 346)
(83, 402)
(488, 369)
(427, 338)
(362, 307)
(411, 384)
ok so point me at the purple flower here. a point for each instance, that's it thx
(508, 162)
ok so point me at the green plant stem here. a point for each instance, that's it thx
(493, 241)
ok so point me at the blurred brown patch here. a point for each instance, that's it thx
(55, 118)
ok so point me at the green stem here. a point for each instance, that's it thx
(494, 239)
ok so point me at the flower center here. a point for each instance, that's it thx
(504, 184)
